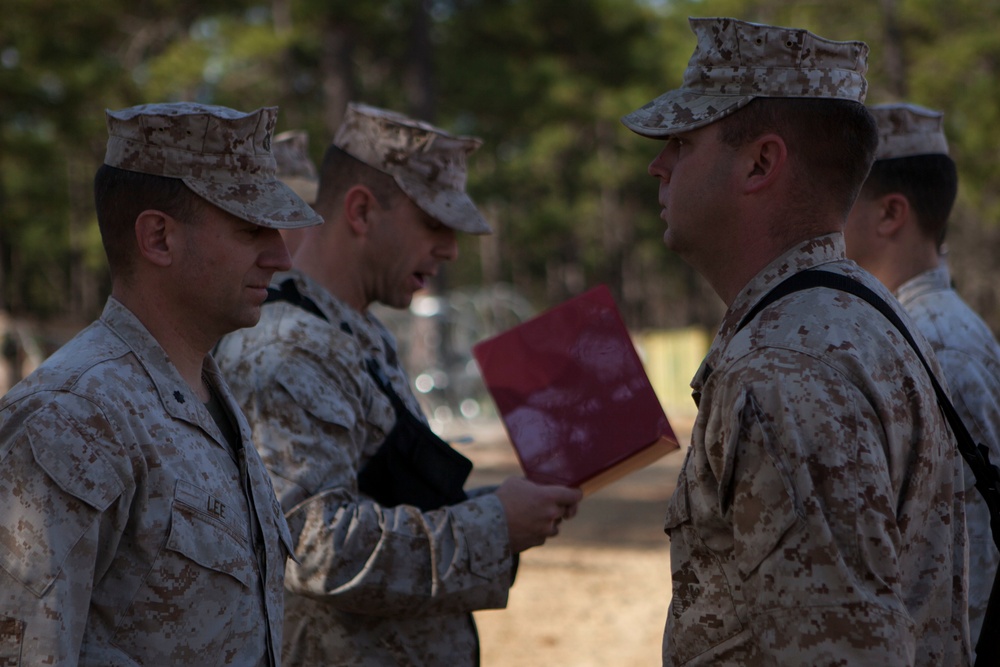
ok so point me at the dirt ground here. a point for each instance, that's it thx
(597, 594)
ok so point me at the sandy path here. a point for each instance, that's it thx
(597, 594)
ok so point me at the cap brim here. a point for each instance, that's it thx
(307, 188)
(452, 208)
(681, 111)
(270, 204)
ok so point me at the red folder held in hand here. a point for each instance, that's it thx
(574, 396)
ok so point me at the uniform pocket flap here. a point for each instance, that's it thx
(71, 453)
(310, 390)
(202, 536)
(764, 505)
(54, 484)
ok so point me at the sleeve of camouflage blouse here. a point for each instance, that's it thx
(362, 557)
(975, 391)
(815, 544)
(56, 488)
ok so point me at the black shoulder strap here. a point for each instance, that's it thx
(807, 280)
(287, 291)
(382, 382)
(977, 456)
(413, 465)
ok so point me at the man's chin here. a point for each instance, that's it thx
(399, 303)
(248, 318)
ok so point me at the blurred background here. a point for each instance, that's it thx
(564, 184)
(543, 82)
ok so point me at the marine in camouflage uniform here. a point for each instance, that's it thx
(896, 230)
(295, 167)
(818, 516)
(297, 171)
(375, 585)
(970, 363)
(136, 528)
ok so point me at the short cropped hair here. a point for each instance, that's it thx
(834, 141)
(929, 182)
(340, 171)
(121, 195)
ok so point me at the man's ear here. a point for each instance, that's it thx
(154, 236)
(767, 160)
(359, 204)
(894, 214)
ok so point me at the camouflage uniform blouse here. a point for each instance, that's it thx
(130, 532)
(818, 517)
(374, 586)
(970, 361)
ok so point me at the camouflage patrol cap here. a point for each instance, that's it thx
(222, 155)
(295, 168)
(426, 162)
(905, 130)
(736, 61)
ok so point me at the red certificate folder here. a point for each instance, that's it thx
(574, 396)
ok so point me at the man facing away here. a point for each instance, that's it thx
(818, 517)
(896, 230)
(137, 523)
(376, 583)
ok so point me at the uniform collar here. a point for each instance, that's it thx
(807, 255)
(177, 398)
(366, 329)
(937, 279)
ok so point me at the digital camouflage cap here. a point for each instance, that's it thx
(295, 168)
(905, 130)
(736, 61)
(427, 163)
(222, 155)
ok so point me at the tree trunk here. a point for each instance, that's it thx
(337, 73)
(892, 51)
(418, 79)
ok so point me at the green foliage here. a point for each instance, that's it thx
(221, 60)
(545, 88)
(543, 82)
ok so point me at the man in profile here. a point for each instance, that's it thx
(818, 517)
(137, 522)
(381, 577)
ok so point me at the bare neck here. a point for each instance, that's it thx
(732, 274)
(334, 258)
(905, 262)
(186, 346)
(748, 256)
(901, 254)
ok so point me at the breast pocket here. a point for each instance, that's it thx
(203, 528)
(201, 589)
(764, 504)
(52, 495)
(702, 613)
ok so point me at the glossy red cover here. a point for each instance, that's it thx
(571, 390)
